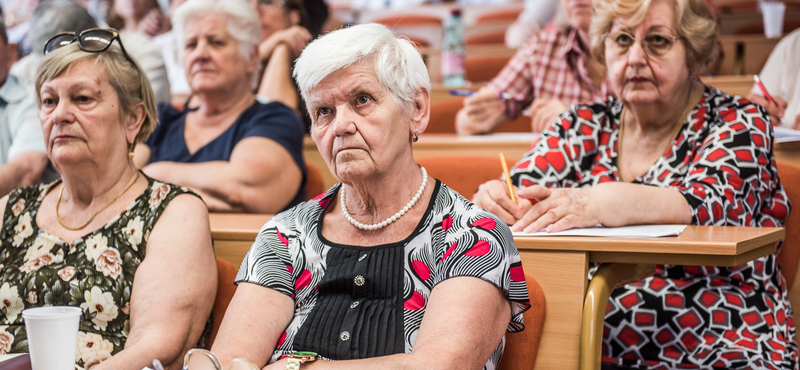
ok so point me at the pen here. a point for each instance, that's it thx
(508, 178)
(764, 90)
(470, 92)
(766, 94)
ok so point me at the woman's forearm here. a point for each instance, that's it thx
(276, 83)
(620, 204)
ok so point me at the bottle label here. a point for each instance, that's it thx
(452, 64)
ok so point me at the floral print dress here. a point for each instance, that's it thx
(94, 272)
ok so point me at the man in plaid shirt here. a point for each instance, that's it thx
(553, 71)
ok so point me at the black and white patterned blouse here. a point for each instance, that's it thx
(355, 302)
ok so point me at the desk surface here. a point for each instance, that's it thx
(236, 226)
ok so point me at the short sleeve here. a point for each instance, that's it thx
(279, 123)
(268, 263)
(481, 245)
(566, 149)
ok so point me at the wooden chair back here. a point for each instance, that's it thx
(315, 184)
(464, 173)
(500, 16)
(521, 348)
(494, 37)
(226, 275)
(443, 118)
(484, 68)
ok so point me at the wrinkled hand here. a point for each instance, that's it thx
(482, 112)
(295, 37)
(544, 112)
(278, 365)
(775, 112)
(493, 196)
(151, 23)
(557, 209)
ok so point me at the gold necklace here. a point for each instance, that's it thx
(671, 137)
(96, 213)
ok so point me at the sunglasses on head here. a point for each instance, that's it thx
(93, 40)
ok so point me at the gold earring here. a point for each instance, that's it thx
(130, 151)
(415, 137)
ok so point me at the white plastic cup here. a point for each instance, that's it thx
(52, 336)
(773, 12)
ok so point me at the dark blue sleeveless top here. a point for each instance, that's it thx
(273, 121)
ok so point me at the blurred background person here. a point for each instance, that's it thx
(669, 150)
(22, 151)
(50, 18)
(437, 281)
(171, 54)
(138, 21)
(553, 71)
(284, 26)
(781, 78)
(143, 16)
(132, 252)
(238, 153)
(535, 15)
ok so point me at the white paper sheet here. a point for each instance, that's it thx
(784, 134)
(637, 231)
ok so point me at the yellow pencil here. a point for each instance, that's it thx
(508, 178)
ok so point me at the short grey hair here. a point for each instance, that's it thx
(53, 17)
(241, 17)
(398, 65)
(125, 76)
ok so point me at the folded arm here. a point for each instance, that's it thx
(23, 169)
(464, 321)
(260, 177)
(173, 289)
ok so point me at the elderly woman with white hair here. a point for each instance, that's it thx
(386, 269)
(239, 154)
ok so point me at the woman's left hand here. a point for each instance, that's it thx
(557, 209)
(545, 112)
(278, 365)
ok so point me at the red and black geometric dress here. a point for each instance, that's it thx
(693, 317)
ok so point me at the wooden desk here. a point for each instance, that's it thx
(234, 233)
(560, 266)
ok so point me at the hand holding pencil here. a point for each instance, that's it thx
(774, 106)
(483, 111)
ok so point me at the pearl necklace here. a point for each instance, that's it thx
(389, 220)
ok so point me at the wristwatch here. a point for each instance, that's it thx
(297, 358)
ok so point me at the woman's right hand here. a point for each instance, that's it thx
(295, 37)
(482, 112)
(493, 196)
(775, 111)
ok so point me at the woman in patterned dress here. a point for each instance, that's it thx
(433, 286)
(134, 253)
(668, 150)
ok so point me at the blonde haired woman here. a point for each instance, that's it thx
(134, 253)
(669, 150)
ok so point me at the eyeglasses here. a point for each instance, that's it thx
(653, 44)
(94, 40)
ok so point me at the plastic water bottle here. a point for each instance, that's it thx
(453, 50)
